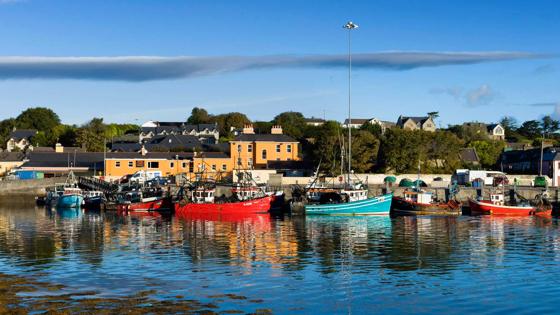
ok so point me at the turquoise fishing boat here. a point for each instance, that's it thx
(350, 197)
(378, 205)
(71, 198)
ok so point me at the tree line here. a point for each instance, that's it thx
(395, 150)
(50, 130)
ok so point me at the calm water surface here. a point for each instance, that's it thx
(294, 265)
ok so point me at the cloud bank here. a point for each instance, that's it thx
(140, 68)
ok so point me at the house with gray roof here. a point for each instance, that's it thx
(416, 123)
(20, 139)
(207, 133)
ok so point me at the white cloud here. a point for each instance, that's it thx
(482, 95)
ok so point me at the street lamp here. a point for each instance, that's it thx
(349, 26)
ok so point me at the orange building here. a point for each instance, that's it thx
(214, 164)
(250, 150)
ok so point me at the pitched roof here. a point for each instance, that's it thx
(420, 119)
(530, 155)
(11, 156)
(264, 137)
(491, 127)
(22, 134)
(469, 155)
(178, 127)
(356, 121)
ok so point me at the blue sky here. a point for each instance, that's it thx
(526, 87)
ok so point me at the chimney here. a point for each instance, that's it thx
(143, 151)
(276, 130)
(58, 148)
(248, 129)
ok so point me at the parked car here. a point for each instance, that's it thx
(158, 181)
(141, 177)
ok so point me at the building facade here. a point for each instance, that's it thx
(250, 150)
(214, 165)
(207, 133)
(425, 123)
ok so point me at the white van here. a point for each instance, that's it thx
(141, 177)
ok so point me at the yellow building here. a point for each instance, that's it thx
(10, 160)
(214, 164)
(250, 150)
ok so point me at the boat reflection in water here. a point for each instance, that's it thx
(321, 264)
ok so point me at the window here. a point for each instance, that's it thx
(184, 164)
(264, 154)
(239, 148)
(171, 164)
(191, 167)
(278, 147)
(214, 167)
(118, 164)
(224, 167)
(250, 162)
(153, 164)
(289, 148)
(130, 164)
(238, 161)
(139, 163)
(250, 148)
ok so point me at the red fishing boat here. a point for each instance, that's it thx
(497, 206)
(416, 202)
(258, 205)
(135, 201)
(201, 199)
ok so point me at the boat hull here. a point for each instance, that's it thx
(163, 204)
(93, 203)
(485, 207)
(379, 205)
(402, 206)
(69, 201)
(259, 205)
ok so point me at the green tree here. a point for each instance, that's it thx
(199, 116)
(293, 123)
(374, 129)
(91, 136)
(365, 147)
(6, 127)
(327, 147)
(549, 125)
(530, 129)
(39, 118)
(488, 151)
(227, 121)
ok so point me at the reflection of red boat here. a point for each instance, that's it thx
(257, 205)
(258, 219)
(498, 208)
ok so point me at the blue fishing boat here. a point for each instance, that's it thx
(71, 198)
(378, 205)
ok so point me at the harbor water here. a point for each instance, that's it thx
(263, 264)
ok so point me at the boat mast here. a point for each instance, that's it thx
(349, 26)
(542, 149)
